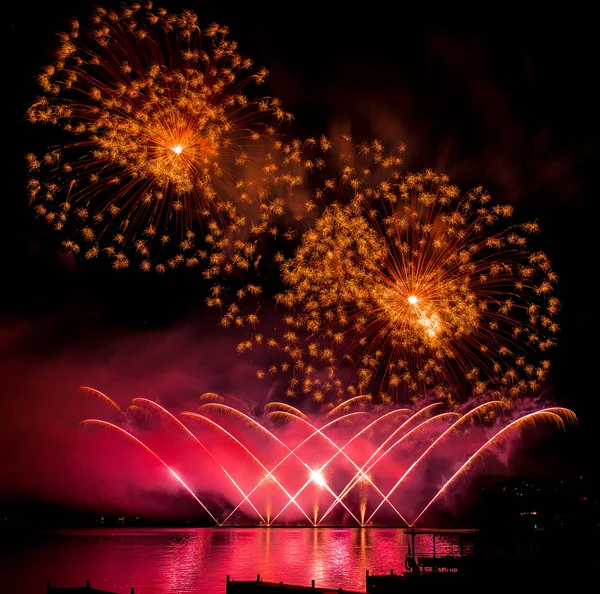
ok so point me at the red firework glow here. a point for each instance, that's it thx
(357, 464)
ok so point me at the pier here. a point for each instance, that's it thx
(87, 589)
(454, 562)
(258, 587)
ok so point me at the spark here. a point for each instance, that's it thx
(157, 407)
(556, 415)
(316, 476)
(119, 430)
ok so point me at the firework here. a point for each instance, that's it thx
(417, 288)
(361, 465)
(318, 171)
(158, 140)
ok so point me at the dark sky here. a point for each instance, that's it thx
(504, 99)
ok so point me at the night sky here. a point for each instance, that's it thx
(505, 100)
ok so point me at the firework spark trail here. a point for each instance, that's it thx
(549, 413)
(366, 468)
(182, 427)
(291, 452)
(339, 451)
(363, 430)
(368, 427)
(361, 474)
(342, 406)
(418, 428)
(107, 425)
(104, 398)
(284, 406)
(310, 470)
(416, 415)
(419, 413)
(453, 427)
(269, 475)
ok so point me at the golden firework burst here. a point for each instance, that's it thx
(159, 140)
(418, 288)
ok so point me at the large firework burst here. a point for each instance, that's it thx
(159, 140)
(418, 288)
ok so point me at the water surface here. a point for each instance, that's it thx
(198, 560)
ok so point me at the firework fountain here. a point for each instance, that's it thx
(357, 464)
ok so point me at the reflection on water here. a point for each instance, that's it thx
(198, 560)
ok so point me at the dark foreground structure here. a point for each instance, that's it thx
(87, 589)
(258, 587)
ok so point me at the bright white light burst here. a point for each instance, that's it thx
(317, 478)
